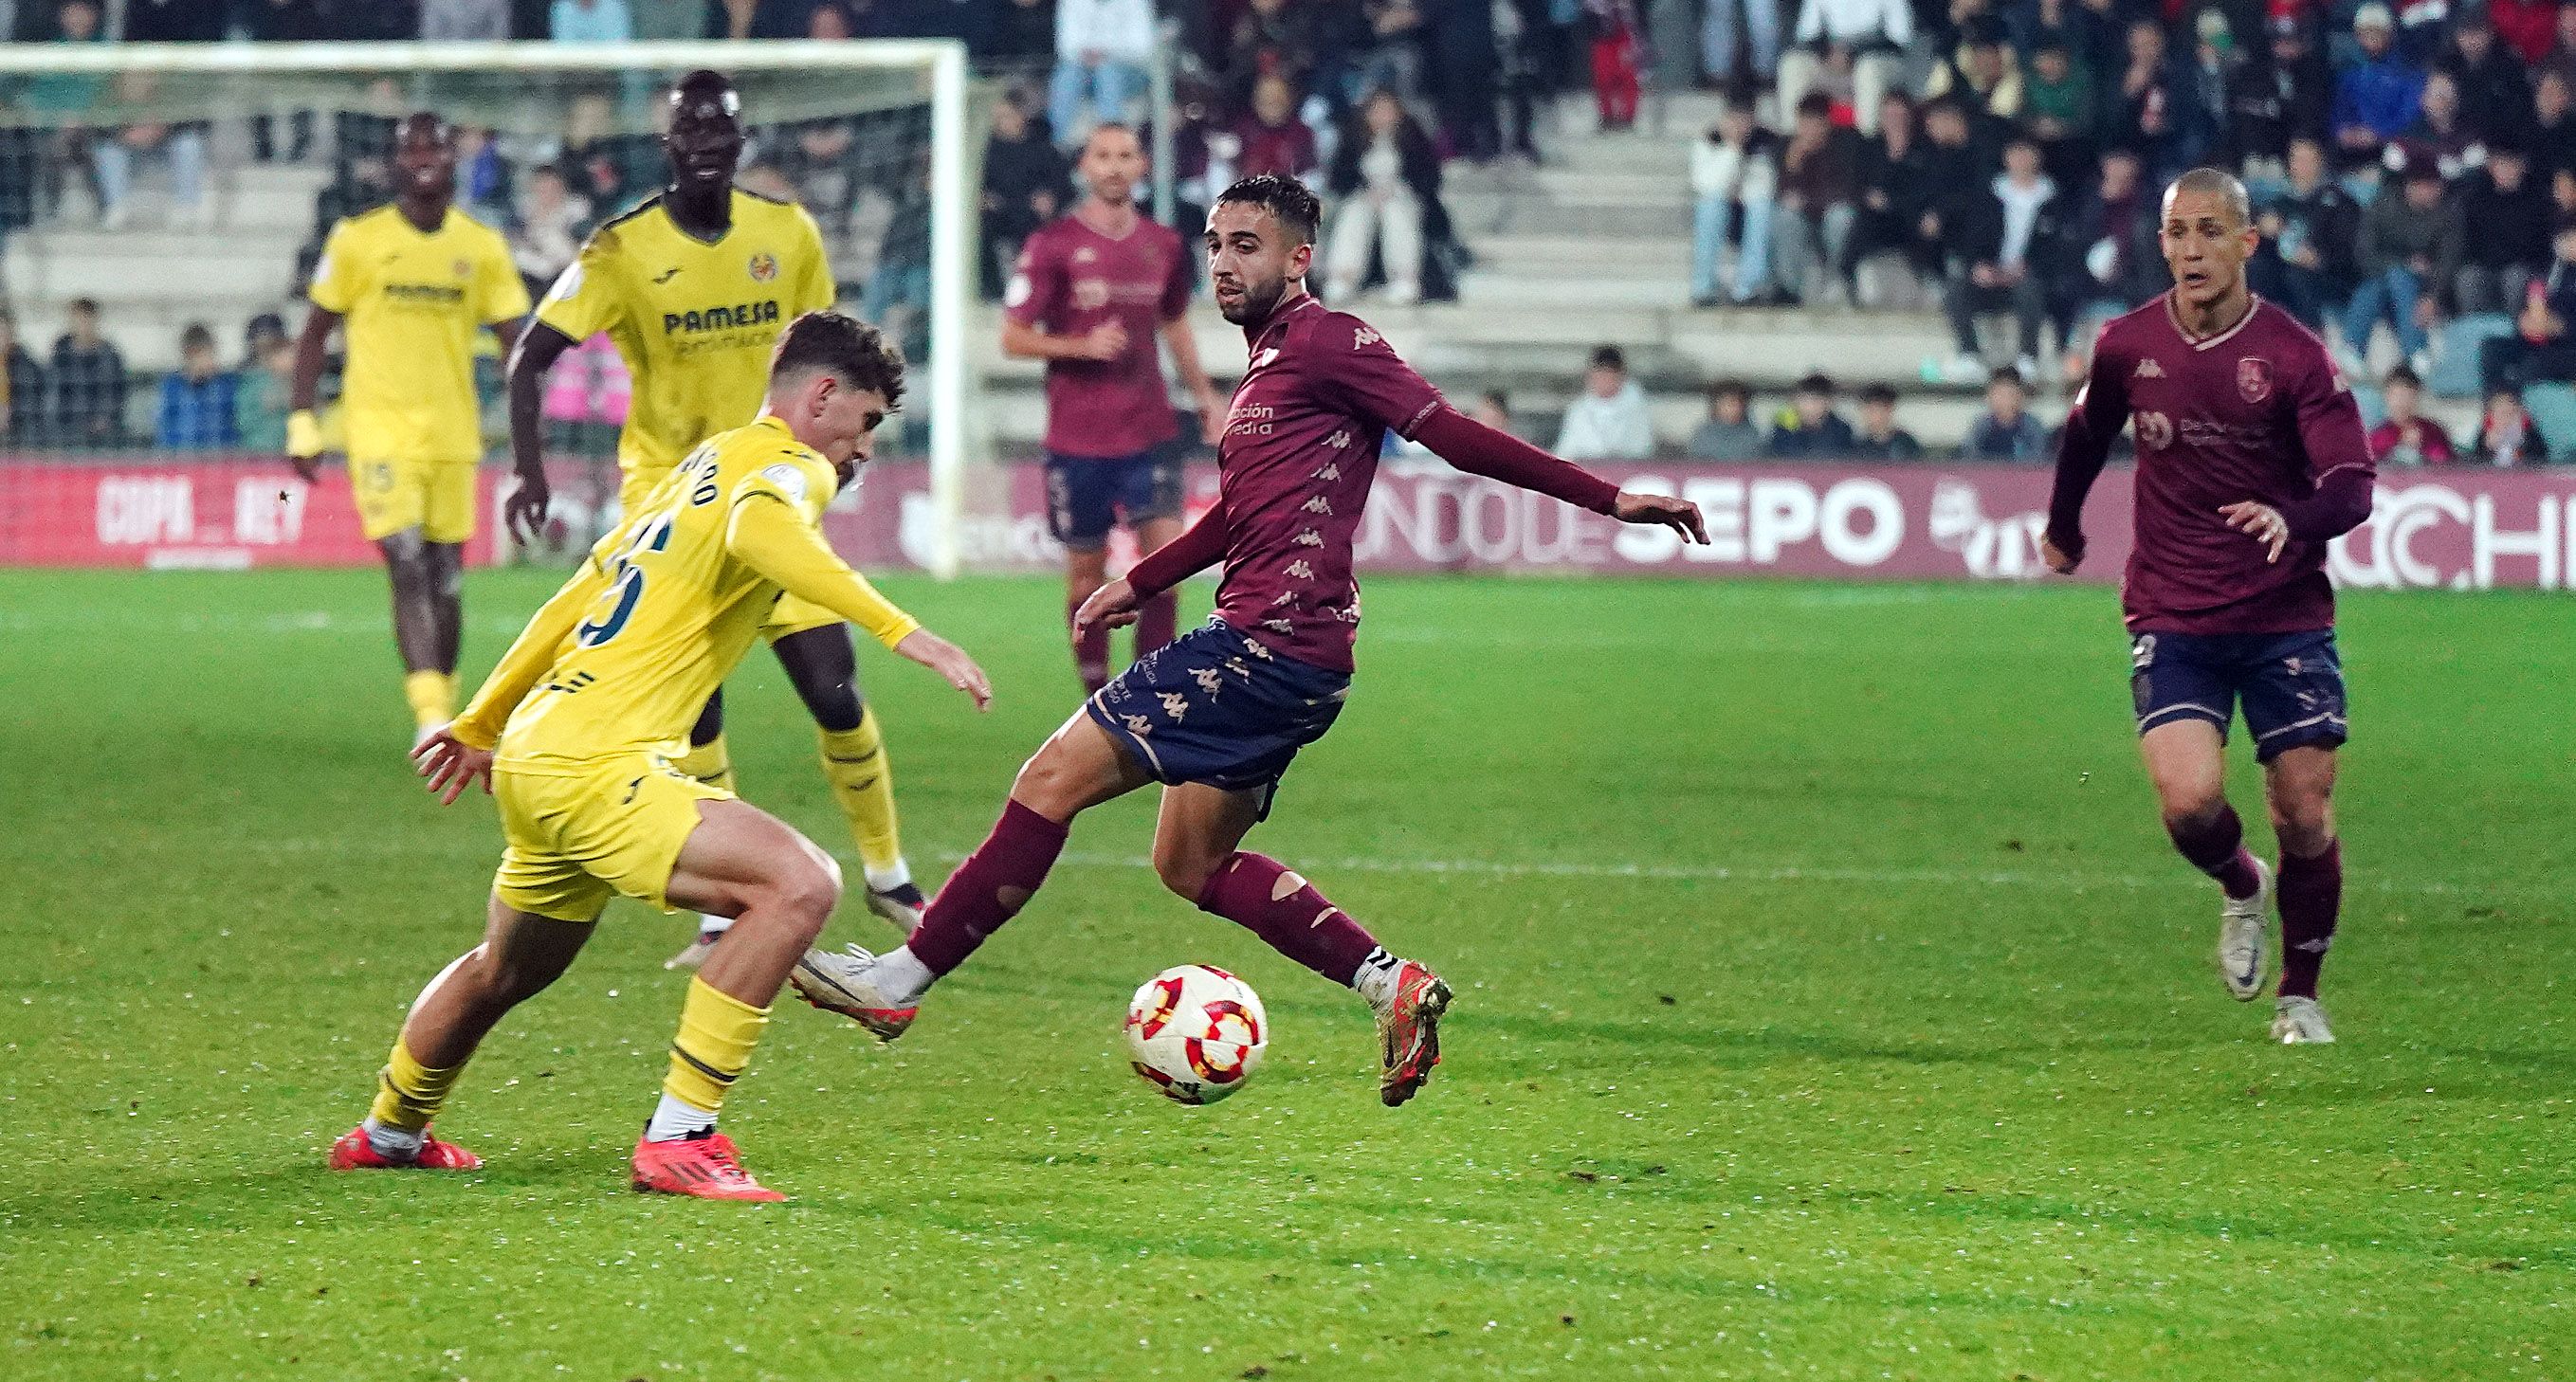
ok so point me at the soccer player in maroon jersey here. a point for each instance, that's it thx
(2250, 458)
(1217, 714)
(1093, 289)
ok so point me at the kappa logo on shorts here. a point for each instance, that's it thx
(1318, 504)
(1239, 667)
(1337, 441)
(1175, 705)
(1208, 680)
(1300, 570)
(2142, 652)
(1330, 472)
(1138, 725)
(1309, 538)
(1257, 648)
(2254, 378)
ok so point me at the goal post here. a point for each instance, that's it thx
(535, 92)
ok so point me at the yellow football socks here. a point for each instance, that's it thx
(708, 763)
(432, 696)
(854, 762)
(717, 1032)
(408, 1093)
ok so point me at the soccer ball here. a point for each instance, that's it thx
(1196, 1033)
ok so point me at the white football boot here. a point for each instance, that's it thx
(846, 983)
(2299, 1022)
(2243, 924)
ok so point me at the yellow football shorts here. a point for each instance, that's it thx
(615, 825)
(436, 497)
(790, 615)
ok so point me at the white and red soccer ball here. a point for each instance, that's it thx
(1196, 1033)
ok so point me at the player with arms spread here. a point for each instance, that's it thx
(1092, 290)
(2250, 458)
(571, 733)
(413, 281)
(1217, 715)
(694, 287)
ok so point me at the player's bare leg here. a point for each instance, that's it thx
(1085, 571)
(709, 762)
(1158, 618)
(822, 664)
(520, 955)
(2298, 786)
(1198, 854)
(2187, 762)
(1077, 768)
(424, 639)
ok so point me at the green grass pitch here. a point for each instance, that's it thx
(1830, 1006)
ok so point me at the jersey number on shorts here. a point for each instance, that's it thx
(629, 589)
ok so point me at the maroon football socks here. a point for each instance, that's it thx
(2311, 900)
(1265, 897)
(990, 888)
(2215, 845)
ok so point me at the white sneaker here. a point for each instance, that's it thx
(696, 953)
(1964, 369)
(846, 984)
(2243, 926)
(2300, 1022)
(901, 906)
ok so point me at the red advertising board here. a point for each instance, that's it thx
(206, 513)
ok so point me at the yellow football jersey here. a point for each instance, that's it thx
(694, 319)
(412, 302)
(668, 603)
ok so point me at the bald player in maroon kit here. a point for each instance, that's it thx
(2251, 457)
(1217, 715)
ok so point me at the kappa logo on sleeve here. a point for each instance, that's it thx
(790, 480)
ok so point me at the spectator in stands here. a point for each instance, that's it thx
(181, 145)
(2551, 135)
(2144, 110)
(1981, 72)
(2284, 93)
(1616, 60)
(1271, 137)
(821, 161)
(758, 18)
(261, 393)
(2534, 31)
(2495, 92)
(173, 21)
(2000, 257)
(2505, 436)
(550, 223)
(2110, 261)
(1271, 38)
(2407, 437)
(2377, 94)
(2201, 133)
(63, 100)
(1525, 74)
(1023, 34)
(1894, 189)
(23, 380)
(1759, 22)
(590, 21)
(258, 334)
(1101, 49)
(1493, 409)
(1026, 182)
(1728, 433)
(2511, 247)
(2060, 103)
(1608, 420)
(1878, 438)
(1384, 178)
(2310, 230)
(2407, 234)
(1819, 199)
(465, 21)
(1950, 179)
(196, 411)
(2540, 347)
(1810, 429)
(2099, 29)
(2006, 431)
(1868, 36)
(1734, 182)
(897, 297)
(88, 380)
(2439, 133)
(1462, 82)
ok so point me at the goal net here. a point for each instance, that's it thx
(155, 198)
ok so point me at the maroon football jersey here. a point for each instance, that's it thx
(2255, 412)
(1070, 279)
(1319, 393)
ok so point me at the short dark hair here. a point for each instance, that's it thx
(1285, 198)
(1730, 388)
(851, 350)
(197, 336)
(1879, 393)
(89, 305)
(1816, 103)
(2403, 374)
(1108, 126)
(1819, 382)
(1608, 357)
(2219, 183)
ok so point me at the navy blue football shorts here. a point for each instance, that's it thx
(2291, 685)
(1087, 495)
(1216, 707)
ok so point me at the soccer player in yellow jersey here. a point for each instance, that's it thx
(693, 287)
(572, 732)
(412, 281)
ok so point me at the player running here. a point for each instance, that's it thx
(414, 280)
(2250, 457)
(570, 733)
(1217, 715)
(694, 287)
(1092, 290)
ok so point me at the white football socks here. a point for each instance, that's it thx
(1375, 978)
(902, 978)
(674, 1119)
(888, 879)
(394, 1144)
(714, 926)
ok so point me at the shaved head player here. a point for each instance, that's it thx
(2250, 458)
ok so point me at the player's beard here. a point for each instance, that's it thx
(1256, 304)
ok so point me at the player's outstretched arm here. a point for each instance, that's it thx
(303, 429)
(768, 535)
(2083, 447)
(535, 352)
(1115, 605)
(1478, 449)
(452, 765)
(530, 656)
